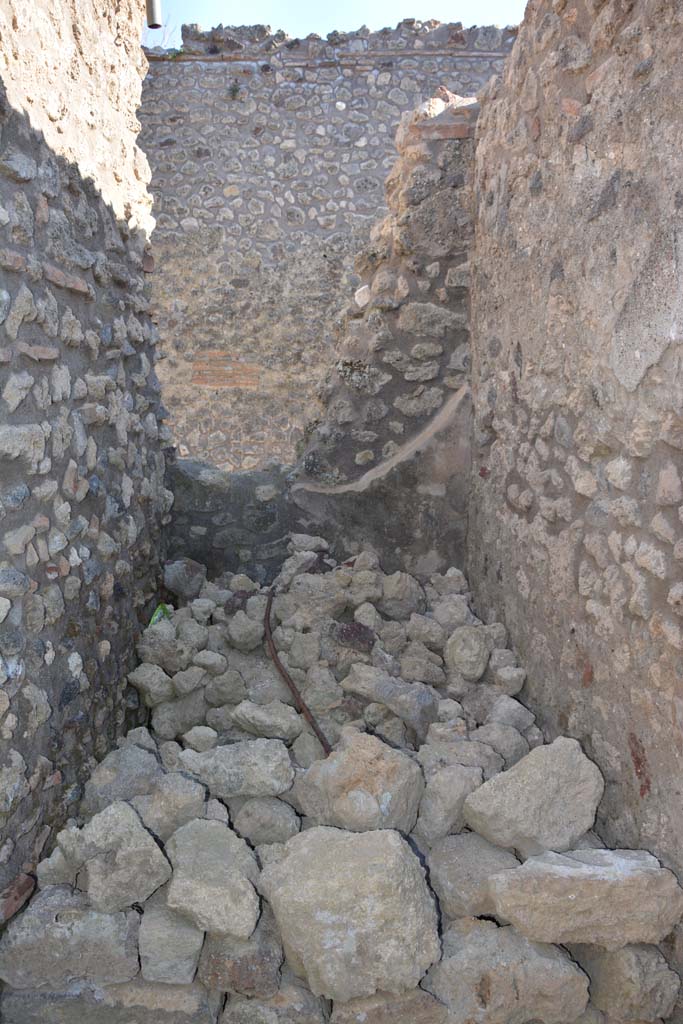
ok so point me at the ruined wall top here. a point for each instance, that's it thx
(259, 42)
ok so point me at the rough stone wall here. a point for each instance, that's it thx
(387, 464)
(269, 157)
(81, 468)
(575, 529)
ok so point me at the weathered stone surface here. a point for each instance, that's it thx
(175, 717)
(633, 983)
(460, 867)
(467, 652)
(363, 785)
(250, 768)
(184, 577)
(415, 704)
(117, 860)
(172, 802)
(443, 801)
(59, 939)
(124, 773)
(509, 743)
(470, 753)
(401, 596)
(153, 683)
(609, 898)
(169, 943)
(545, 802)
(133, 1002)
(213, 872)
(332, 885)
(493, 975)
(248, 967)
(415, 1007)
(274, 720)
(266, 819)
(292, 1004)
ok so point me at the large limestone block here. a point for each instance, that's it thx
(416, 1007)
(363, 785)
(60, 939)
(460, 868)
(467, 652)
(159, 645)
(443, 801)
(135, 1002)
(249, 768)
(274, 720)
(354, 912)
(417, 705)
(401, 596)
(175, 717)
(213, 875)
(170, 944)
(544, 802)
(117, 860)
(266, 819)
(248, 967)
(124, 773)
(173, 802)
(492, 975)
(292, 1004)
(630, 984)
(438, 754)
(609, 898)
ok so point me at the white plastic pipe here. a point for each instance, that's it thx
(154, 13)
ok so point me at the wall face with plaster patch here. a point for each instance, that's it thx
(576, 534)
(269, 157)
(81, 466)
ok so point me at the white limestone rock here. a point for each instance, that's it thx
(176, 717)
(127, 772)
(153, 684)
(59, 939)
(363, 785)
(460, 867)
(416, 1007)
(117, 860)
(608, 898)
(508, 711)
(170, 944)
(505, 739)
(442, 804)
(293, 1004)
(274, 720)
(545, 802)
(401, 596)
(266, 819)
(214, 873)
(470, 753)
(492, 975)
(634, 983)
(200, 738)
(249, 768)
(467, 652)
(244, 633)
(354, 912)
(417, 705)
(172, 802)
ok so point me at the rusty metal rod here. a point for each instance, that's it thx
(300, 702)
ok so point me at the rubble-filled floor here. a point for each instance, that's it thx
(436, 867)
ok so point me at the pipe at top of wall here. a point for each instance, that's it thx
(154, 13)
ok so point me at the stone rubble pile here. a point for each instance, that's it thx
(438, 867)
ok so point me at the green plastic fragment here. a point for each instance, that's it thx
(162, 611)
